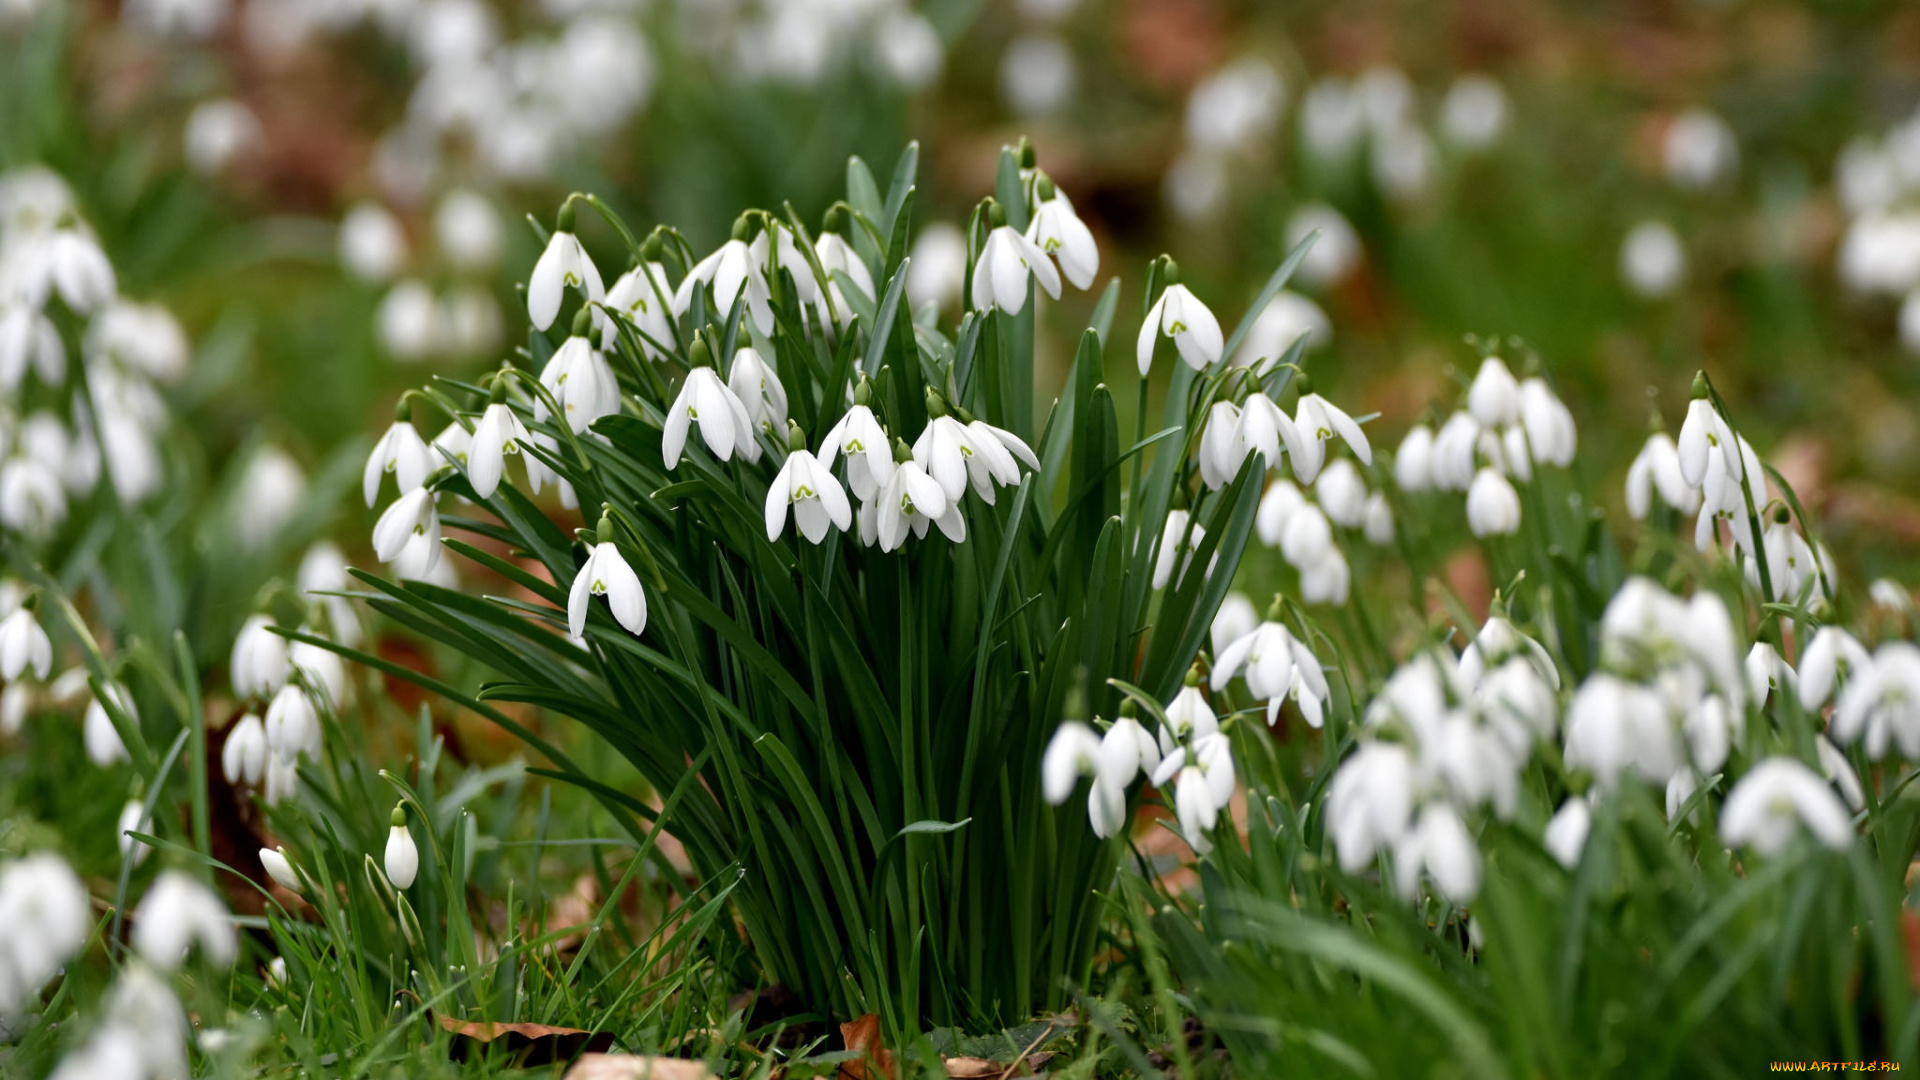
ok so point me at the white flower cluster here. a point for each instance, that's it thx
(300, 682)
(58, 292)
(1878, 182)
(45, 917)
(1508, 427)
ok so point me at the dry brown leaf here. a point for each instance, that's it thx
(637, 1067)
(862, 1036)
(528, 1044)
(972, 1067)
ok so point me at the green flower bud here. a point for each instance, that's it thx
(796, 439)
(583, 321)
(399, 816)
(563, 221)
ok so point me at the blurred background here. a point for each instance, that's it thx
(330, 193)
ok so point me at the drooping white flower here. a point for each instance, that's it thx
(758, 387)
(1615, 726)
(467, 228)
(911, 499)
(736, 268)
(372, 245)
(1179, 538)
(1890, 594)
(1413, 462)
(1566, 833)
(1221, 450)
(102, 739)
(1180, 315)
(580, 381)
(79, 269)
(1832, 652)
(1265, 429)
(1236, 619)
(1307, 537)
(280, 868)
(1277, 505)
(1653, 260)
(1073, 752)
(32, 500)
(1774, 800)
(258, 666)
(1880, 705)
(606, 573)
(323, 569)
(1342, 493)
(1370, 803)
(48, 916)
(402, 855)
(1001, 272)
(1326, 579)
(24, 647)
(407, 534)
(1789, 561)
(1376, 522)
(1277, 665)
(724, 424)
(178, 913)
(1493, 506)
(1494, 397)
(498, 433)
(320, 670)
(814, 495)
(1474, 112)
(1319, 420)
(1440, 846)
(939, 267)
(1551, 435)
(564, 265)
(1839, 772)
(244, 757)
(293, 724)
(1657, 469)
(644, 297)
(1126, 751)
(1699, 149)
(1189, 714)
(400, 452)
(1451, 465)
(869, 452)
(1288, 317)
(1059, 232)
(1705, 432)
(282, 780)
(29, 340)
(836, 255)
(1195, 808)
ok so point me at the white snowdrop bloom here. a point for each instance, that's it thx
(15, 702)
(1196, 185)
(1699, 150)
(1370, 803)
(939, 267)
(727, 273)
(1725, 497)
(1498, 641)
(1565, 837)
(1494, 397)
(70, 688)
(1705, 432)
(1403, 160)
(277, 972)
(1342, 493)
(373, 247)
(1657, 469)
(1277, 505)
(1287, 318)
(1790, 562)
(1333, 121)
(723, 420)
(280, 868)
(410, 323)
(24, 647)
(467, 228)
(102, 739)
(320, 670)
(908, 50)
(29, 340)
(258, 666)
(955, 454)
(79, 270)
(1766, 670)
(1307, 536)
(1493, 506)
(1880, 704)
(1126, 751)
(869, 452)
(606, 573)
(1450, 465)
(1176, 546)
(1439, 846)
(244, 757)
(498, 433)
(1880, 253)
(837, 255)
(759, 389)
(1653, 261)
(1000, 273)
(910, 498)
(402, 855)
(1866, 177)
(1711, 727)
(1327, 579)
(32, 499)
(178, 913)
(1073, 752)
(1265, 429)
(1277, 665)
(1413, 462)
(1517, 703)
(1236, 619)
(324, 569)
(408, 532)
(1376, 521)
(1037, 75)
(1474, 113)
(1337, 252)
(47, 916)
(453, 443)
(282, 780)
(218, 133)
(564, 265)
(608, 53)
(1236, 107)
(776, 249)
(1839, 772)
(1506, 451)
(1551, 435)
(1203, 790)
(581, 382)
(1680, 789)
(293, 724)
(1059, 232)
(144, 338)
(815, 496)
(1319, 420)
(1221, 450)
(1615, 726)
(1777, 798)
(1189, 716)
(1890, 594)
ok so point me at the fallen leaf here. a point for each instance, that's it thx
(637, 1067)
(972, 1067)
(862, 1037)
(527, 1044)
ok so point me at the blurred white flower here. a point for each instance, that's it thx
(1774, 800)
(1880, 252)
(1566, 833)
(244, 756)
(1474, 114)
(1342, 493)
(1196, 185)
(218, 133)
(1333, 121)
(1334, 255)
(1287, 318)
(1235, 107)
(45, 916)
(1652, 261)
(102, 739)
(1494, 397)
(293, 724)
(178, 913)
(1236, 618)
(410, 323)
(258, 667)
(143, 338)
(467, 228)
(1699, 150)
(1880, 704)
(280, 868)
(373, 247)
(939, 265)
(580, 381)
(1037, 75)
(194, 20)
(908, 50)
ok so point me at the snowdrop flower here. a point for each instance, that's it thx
(1890, 594)
(1440, 846)
(1073, 752)
(908, 49)
(1766, 670)
(1548, 422)
(1333, 120)
(564, 265)
(244, 757)
(1699, 150)
(1059, 232)
(1326, 579)
(280, 868)
(410, 323)
(1790, 561)
(1517, 702)
(1196, 185)
(1006, 260)
(1766, 807)
(724, 423)
(1450, 466)
(1711, 727)
(1319, 420)
(1173, 541)
(1566, 833)
(956, 454)
(580, 380)
(15, 701)
(1657, 469)
(47, 916)
(1615, 726)
(1235, 107)
(1376, 522)
(498, 433)
(1838, 771)
(467, 228)
(1288, 317)
(1881, 702)
(1262, 427)
(218, 132)
(1277, 665)
(402, 856)
(79, 270)
(320, 670)
(1342, 493)
(1370, 803)
(144, 338)
(1236, 619)
(1499, 640)
(1221, 450)
(32, 500)
(1277, 506)
(1189, 714)
(400, 452)
(282, 780)
(758, 387)
(453, 442)
(1705, 432)
(810, 489)
(1037, 75)
(1126, 751)
(1413, 462)
(1307, 537)
(372, 245)
(28, 339)
(1335, 255)
(836, 254)
(1493, 506)
(472, 318)
(606, 573)
(293, 724)
(1494, 397)
(1180, 315)
(644, 297)
(939, 266)
(103, 739)
(1474, 113)
(736, 268)
(860, 437)
(258, 666)
(911, 499)
(1653, 262)
(1195, 807)
(177, 913)
(323, 569)
(407, 535)
(24, 646)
